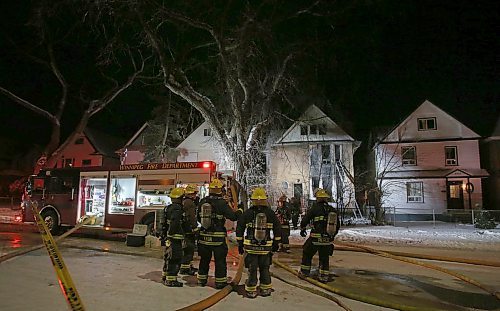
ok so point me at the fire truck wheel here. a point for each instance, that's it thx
(149, 220)
(51, 220)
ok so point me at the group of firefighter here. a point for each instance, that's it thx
(180, 231)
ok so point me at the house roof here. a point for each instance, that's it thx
(314, 115)
(139, 132)
(441, 173)
(103, 143)
(468, 133)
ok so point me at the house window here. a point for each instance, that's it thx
(450, 154)
(86, 162)
(325, 154)
(426, 124)
(68, 162)
(322, 129)
(409, 155)
(207, 132)
(79, 141)
(303, 130)
(415, 192)
(313, 129)
(315, 183)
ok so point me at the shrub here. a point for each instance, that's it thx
(483, 220)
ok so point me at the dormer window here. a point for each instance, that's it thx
(313, 129)
(427, 124)
(207, 132)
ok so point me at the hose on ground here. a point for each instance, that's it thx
(313, 291)
(427, 265)
(211, 300)
(350, 295)
(26, 250)
(340, 246)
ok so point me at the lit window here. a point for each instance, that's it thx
(426, 124)
(68, 162)
(207, 132)
(303, 130)
(79, 141)
(86, 162)
(415, 192)
(409, 155)
(451, 157)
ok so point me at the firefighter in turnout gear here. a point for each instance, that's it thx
(325, 226)
(284, 215)
(173, 228)
(213, 211)
(189, 238)
(258, 221)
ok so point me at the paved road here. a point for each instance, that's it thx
(109, 281)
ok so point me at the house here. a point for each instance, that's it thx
(200, 145)
(314, 152)
(492, 161)
(428, 165)
(135, 148)
(91, 148)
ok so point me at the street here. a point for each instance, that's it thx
(106, 278)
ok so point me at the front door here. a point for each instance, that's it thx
(297, 191)
(455, 195)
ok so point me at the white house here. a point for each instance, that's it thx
(200, 145)
(313, 153)
(429, 163)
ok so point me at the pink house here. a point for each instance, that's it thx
(429, 164)
(91, 148)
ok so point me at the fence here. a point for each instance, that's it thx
(10, 202)
(401, 216)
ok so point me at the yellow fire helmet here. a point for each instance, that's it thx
(215, 184)
(321, 193)
(177, 193)
(259, 194)
(191, 188)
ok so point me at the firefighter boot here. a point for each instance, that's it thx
(324, 278)
(188, 271)
(265, 292)
(220, 285)
(173, 283)
(251, 294)
(302, 275)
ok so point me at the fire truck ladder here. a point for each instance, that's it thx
(343, 172)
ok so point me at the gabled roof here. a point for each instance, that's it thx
(139, 132)
(428, 109)
(103, 143)
(313, 116)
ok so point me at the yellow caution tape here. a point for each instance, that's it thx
(66, 283)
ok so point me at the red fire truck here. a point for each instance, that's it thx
(113, 198)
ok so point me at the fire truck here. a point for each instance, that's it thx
(113, 198)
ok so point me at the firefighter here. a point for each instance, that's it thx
(189, 238)
(257, 243)
(213, 211)
(295, 210)
(283, 213)
(173, 228)
(325, 226)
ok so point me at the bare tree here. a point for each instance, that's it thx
(49, 42)
(233, 62)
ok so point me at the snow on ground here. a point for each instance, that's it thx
(443, 235)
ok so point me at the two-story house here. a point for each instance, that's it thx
(91, 148)
(314, 152)
(429, 164)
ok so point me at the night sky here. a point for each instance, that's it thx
(385, 59)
